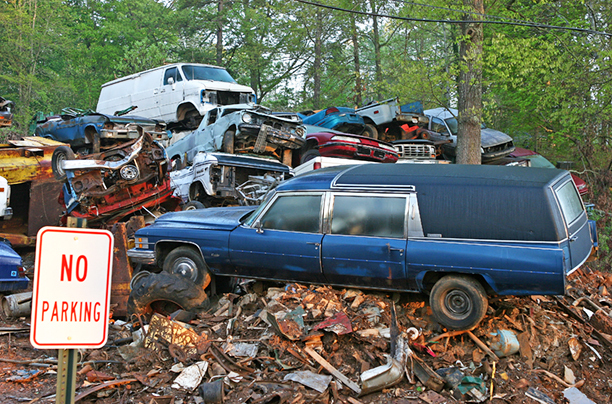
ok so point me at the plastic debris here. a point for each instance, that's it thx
(309, 379)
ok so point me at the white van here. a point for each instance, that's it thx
(178, 92)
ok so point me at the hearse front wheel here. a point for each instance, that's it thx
(165, 293)
(188, 263)
(458, 302)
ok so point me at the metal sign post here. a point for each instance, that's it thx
(71, 297)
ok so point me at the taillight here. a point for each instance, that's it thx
(331, 110)
(316, 166)
(21, 272)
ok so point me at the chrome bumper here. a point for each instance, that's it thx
(141, 257)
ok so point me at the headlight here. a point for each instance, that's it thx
(247, 118)
(129, 172)
(142, 242)
(299, 131)
(346, 139)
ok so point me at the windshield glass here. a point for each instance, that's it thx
(540, 161)
(193, 72)
(248, 221)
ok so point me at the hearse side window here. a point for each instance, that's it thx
(369, 216)
(300, 213)
(174, 73)
(571, 204)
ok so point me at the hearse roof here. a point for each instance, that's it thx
(402, 176)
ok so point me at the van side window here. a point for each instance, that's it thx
(174, 73)
(369, 216)
(300, 213)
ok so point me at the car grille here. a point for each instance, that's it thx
(410, 151)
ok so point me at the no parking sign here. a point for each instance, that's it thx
(71, 291)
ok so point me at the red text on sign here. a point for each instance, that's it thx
(67, 268)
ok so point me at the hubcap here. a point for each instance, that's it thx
(186, 267)
(458, 303)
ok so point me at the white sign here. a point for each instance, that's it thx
(71, 292)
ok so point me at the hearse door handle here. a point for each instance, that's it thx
(317, 245)
(573, 238)
(400, 250)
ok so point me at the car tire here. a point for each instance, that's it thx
(370, 131)
(187, 262)
(60, 154)
(193, 205)
(165, 293)
(458, 302)
(309, 155)
(228, 141)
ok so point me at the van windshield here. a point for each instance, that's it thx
(193, 72)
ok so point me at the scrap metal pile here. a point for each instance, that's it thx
(302, 344)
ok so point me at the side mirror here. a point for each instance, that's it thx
(258, 227)
(171, 80)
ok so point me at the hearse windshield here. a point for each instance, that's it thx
(571, 204)
(193, 72)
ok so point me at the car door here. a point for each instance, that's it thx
(170, 94)
(284, 243)
(574, 215)
(366, 242)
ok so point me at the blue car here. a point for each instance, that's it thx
(456, 232)
(342, 119)
(12, 277)
(87, 131)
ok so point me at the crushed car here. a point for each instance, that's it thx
(537, 160)
(331, 143)
(90, 132)
(342, 119)
(6, 116)
(111, 185)
(218, 179)
(12, 274)
(443, 126)
(389, 121)
(237, 129)
(392, 227)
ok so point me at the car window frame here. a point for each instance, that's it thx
(328, 213)
(256, 222)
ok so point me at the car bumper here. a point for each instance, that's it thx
(130, 134)
(359, 152)
(496, 152)
(144, 257)
(10, 284)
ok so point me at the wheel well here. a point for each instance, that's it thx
(184, 109)
(431, 278)
(311, 144)
(368, 121)
(193, 190)
(162, 250)
(90, 132)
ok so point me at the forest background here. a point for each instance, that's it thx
(546, 65)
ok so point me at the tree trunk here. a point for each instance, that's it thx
(376, 41)
(357, 72)
(470, 87)
(220, 34)
(317, 65)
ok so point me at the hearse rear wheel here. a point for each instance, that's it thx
(188, 263)
(458, 302)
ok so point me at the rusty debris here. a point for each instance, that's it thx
(303, 344)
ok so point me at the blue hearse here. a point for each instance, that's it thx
(456, 232)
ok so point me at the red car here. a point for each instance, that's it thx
(344, 145)
(537, 160)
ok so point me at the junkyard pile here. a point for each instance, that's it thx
(295, 343)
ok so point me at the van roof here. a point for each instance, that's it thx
(407, 176)
(131, 76)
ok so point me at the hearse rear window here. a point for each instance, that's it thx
(369, 216)
(571, 204)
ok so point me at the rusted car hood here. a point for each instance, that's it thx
(227, 218)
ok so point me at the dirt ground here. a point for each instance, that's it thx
(558, 344)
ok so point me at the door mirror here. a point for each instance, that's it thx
(258, 227)
(171, 80)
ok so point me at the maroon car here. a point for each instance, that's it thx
(329, 143)
(537, 160)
